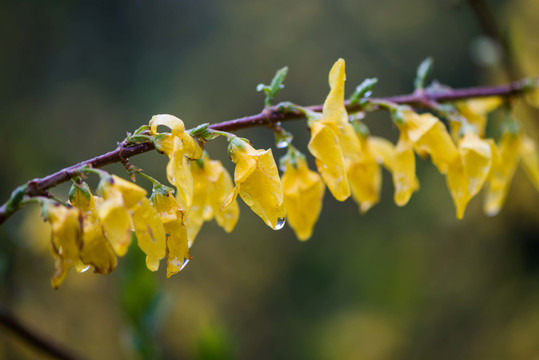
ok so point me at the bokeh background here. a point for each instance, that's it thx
(396, 283)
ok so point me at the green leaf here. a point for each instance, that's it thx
(276, 85)
(363, 90)
(423, 71)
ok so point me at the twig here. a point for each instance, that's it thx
(268, 116)
(10, 321)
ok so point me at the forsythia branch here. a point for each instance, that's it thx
(267, 117)
(45, 344)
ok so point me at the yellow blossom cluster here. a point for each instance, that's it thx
(92, 230)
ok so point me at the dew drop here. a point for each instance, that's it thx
(282, 143)
(283, 139)
(279, 224)
(85, 269)
(185, 262)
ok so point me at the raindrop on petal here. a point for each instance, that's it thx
(185, 262)
(279, 224)
(85, 269)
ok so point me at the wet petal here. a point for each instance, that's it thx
(97, 250)
(404, 177)
(172, 122)
(220, 186)
(530, 160)
(66, 240)
(195, 218)
(116, 222)
(429, 136)
(477, 160)
(150, 233)
(325, 147)
(303, 194)
(457, 182)
(365, 177)
(383, 151)
(476, 110)
(177, 248)
(502, 173)
(259, 186)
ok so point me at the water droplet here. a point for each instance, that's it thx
(282, 143)
(283, 139)
(279, 224)
(185, 262)
(85, 269)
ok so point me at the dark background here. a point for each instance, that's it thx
(396, 283)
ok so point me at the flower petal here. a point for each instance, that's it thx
(150, 233)
(325, 147)
(303, 193)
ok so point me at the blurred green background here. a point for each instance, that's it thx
(396, 283)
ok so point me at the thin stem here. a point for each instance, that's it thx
(268, 116)
(11, 322)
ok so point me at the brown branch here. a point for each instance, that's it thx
(274, 114)
(10, 321)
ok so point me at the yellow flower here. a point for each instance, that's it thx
(530, 160)
(333, 141)
(503, 168)
(325, 147)
(150, 233)
(303, 194)
(365, 176)
(220, 185)
(468, 172)
(212, 186)
(170, 212)
(334, 112)
(257, 182)
(96, 248)
(119, 196)
(66, 239)
(429, 136)
(383, 150)
(178, 146)
(403, 171)
(475, 111)
(200, 206)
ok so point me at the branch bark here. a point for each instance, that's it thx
(39, 341)
(267, 117)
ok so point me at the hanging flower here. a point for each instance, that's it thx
(66, 240)
(179, 146)
(365, 176)
(170, 212)
(333, 141)
(403, 170)
(257, 182)
(150, 233)
(212, 186)
(96, 249)
(200, 210)
(303, 193)
(530, 160)
(429, 136)
(325, 147)
(467, 174)
(119, 196)
(475, 111)
(220, 185)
